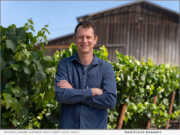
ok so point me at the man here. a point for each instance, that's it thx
(85, 85)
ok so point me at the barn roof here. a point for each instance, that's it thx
(139, 2)
(64, 37)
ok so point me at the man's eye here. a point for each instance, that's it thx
(80, 37)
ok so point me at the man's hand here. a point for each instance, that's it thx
(64, 84)
(96, 91)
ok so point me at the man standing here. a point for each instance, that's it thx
(85, 85)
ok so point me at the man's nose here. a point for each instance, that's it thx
(84, 39)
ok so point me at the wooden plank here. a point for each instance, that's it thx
(141, 33)
(166, 49)
(173, 39)
(145, 34)
(176, 49)
(178, 46)
(107, 30)
(150, 52)
(161, 44)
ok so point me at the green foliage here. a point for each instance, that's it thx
(138, 83)
(27, 79)
(102, 53)
(65, 52)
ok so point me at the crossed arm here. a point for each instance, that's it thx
(95, 97)
(66, 84)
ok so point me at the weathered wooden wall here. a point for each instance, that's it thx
(141, 31)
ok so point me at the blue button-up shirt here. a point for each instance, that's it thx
(80, 109)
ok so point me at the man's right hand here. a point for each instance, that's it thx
(96, 91)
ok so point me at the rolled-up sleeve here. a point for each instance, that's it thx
(109, 96)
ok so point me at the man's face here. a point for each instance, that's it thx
(85, 40)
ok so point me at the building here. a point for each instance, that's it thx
(140, 29)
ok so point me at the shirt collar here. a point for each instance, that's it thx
(76, 59)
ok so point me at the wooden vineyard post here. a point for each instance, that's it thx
(149, 121)
(121, 118)
(171, 107)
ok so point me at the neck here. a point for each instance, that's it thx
(85, 59)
